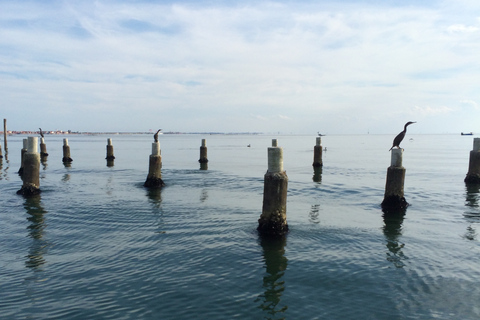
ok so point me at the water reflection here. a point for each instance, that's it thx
(155, 198)
(275, 264)
(204, 195)
(317, 174)
(472, 214)
(393, 231)
(314, 213)
(36, 231)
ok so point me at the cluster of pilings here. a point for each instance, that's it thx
(273, 220)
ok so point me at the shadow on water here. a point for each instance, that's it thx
(275, 264)
(393, 231)
(472, 214)
(36, 231)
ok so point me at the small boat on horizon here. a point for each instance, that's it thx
(467, 134)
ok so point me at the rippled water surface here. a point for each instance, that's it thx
(97, 245)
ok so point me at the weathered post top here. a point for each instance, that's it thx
(42, 140)
(319, 141)
(476, 144)
(109, 141)
(25, 144)
(65, 142)
(275, 158)
(397, 155)
(204, 142)
(32, 146)
(155, 148)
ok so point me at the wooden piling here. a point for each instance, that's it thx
(43, 149)
(394, 192)
(273, 220)
(1, 154)
(110, 155)
(154, 177)
(203, 152)
(22, 156)
(317, 153)
(31, 172)
(473, 175)
(5, 136)
(66, 152)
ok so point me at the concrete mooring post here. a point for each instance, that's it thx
(203, 152)
(317, 153)
(110, 155)
(273, 220)
(43, 149)
(473, 175)
(394, 194)
(66, 152)
(5, 135)
(22, 156)
(31, 172)
(154, 177)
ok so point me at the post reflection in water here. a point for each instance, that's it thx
(155, 198)
(472, 214)
(317, 174)
(393, 231)
(275, 264)
(36, 230)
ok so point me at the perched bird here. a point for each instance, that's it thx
(41, 133)
(400, 136)
(155, 136)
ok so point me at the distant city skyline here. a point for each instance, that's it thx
(332, 67)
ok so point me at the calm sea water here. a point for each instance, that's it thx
(97, 245)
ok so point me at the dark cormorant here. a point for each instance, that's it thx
(41, 133)
(400, 136)
(155, 136)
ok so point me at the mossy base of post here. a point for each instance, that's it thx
(394, 202)
(110, 158)
(67, 160)
(472, 178)
(273, 221)
(29, 190)
(153, 182)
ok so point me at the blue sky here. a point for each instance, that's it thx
(236, 66)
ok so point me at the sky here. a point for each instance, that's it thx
(302, 67)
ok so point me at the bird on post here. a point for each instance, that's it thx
(400, 136)
(155, 136)
(41, 133)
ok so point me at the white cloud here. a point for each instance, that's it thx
(262, 58)
(461, 28)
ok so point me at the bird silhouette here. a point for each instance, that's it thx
(41, 132)
(401, 135)
(155, 136)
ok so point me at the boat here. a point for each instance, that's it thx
(467, 134)
(319, 134)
